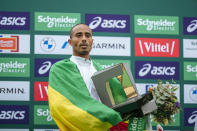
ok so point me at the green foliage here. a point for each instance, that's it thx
(168, 105)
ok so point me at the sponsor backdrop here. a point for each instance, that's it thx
(157, 38)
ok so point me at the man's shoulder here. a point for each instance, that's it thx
(62, 64)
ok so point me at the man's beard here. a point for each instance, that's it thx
(83, 52)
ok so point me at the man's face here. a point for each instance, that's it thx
(81, 40)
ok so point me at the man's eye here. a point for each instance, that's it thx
(78, 35)
(88, 35)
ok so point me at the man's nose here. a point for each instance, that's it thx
(84, 38)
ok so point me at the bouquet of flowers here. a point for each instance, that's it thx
(168, 105)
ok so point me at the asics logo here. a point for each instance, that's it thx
(107, 23)
(192, 27)
(156, 70)
(192, 118)
(45, 67)
(144, 71)
(95, 23)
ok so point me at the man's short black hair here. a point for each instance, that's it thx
(71, 31)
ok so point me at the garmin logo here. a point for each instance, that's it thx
(108, 23)
(109, 46)
(12, 91)
(45, 67)
(14, 20)
(156, 70)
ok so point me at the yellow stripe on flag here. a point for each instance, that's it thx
(69, 117)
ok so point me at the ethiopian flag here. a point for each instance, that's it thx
(71, 106)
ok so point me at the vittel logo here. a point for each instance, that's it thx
(160, 70)
(44, 113)
(156, 70)
(156, 47)
(108, 23)
(14, 20)
(40, 91)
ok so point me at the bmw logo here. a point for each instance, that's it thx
(47, 44)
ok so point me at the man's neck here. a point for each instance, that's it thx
(87, 57)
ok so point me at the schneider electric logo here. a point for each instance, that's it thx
(109, 62)
(42, 115)
(56, 21)
(14, 20)
(157, 70)
(108, 23)
(190, 70)
(14, 67)
(156, 25)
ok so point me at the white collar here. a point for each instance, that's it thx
(77, 59)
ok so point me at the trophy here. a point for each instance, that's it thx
(116, 88)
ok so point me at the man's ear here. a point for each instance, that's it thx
(69, 41)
